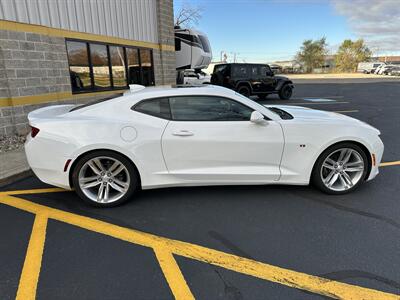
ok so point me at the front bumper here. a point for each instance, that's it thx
(377, 150)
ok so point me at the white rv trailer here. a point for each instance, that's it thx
(192, 50)
(368, 67)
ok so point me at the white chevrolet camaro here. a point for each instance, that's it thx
(191, 136)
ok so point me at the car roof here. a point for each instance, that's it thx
(177, 90)
(257, 64)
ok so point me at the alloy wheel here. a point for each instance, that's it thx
(342, 169)
(104, 179)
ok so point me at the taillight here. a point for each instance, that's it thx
(34, 131)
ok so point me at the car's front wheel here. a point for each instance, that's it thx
(340, 169)
(105, 178)
(285, 92)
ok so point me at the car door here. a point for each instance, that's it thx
(267, 79)
(211, 139)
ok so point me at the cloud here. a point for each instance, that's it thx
(376, 21)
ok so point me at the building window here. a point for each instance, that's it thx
(96, 66)
(132, 55)
(79, 66)
(147, 67)
(118, 66)
(100, 65)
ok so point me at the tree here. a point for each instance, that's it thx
(188, 15)
(312, 54)
(350, 54)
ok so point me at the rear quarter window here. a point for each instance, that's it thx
(154, 107)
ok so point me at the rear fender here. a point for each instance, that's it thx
(242, 83)
(95, 147)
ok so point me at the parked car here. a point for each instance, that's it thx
(192, 136)
(395, 71)
(252, 79)
(385, 69)
(194, 78)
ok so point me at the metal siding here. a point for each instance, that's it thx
(53, 11)
(134, 19)
(33, 10)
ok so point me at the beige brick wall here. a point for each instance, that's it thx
(32, 64)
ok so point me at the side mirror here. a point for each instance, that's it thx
(270, 73)
(257, 117)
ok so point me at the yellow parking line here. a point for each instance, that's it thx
(33, 260)
(390, 163)
(34, 191)
(239, 264)
(173, 274)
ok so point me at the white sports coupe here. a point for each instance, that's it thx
(191, 136)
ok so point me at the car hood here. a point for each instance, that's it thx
(281, 77)
(305, 113)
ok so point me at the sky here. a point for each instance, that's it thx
(271, 30)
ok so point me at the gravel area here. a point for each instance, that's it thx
(11, 143)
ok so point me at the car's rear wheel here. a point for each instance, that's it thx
(105, 178)
(244, 90)
(285, 92)
(340, 169)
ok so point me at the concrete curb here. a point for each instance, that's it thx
(15, 177)
(13, 166)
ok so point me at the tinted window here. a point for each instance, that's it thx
(254, 70)
(78, 66)
(118, 66)
(208, 108)
(147, 67)
(239, 71)
(220, 69)
(101, 71)
(155, 107)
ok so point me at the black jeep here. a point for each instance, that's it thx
(252, 79)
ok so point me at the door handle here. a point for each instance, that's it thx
(182, 133)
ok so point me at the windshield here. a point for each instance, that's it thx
(259, 105)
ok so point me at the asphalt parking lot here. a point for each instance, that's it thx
(236, 242)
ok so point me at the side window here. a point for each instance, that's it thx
(154, 107)
(208, 108)
(254, 71)
(240, 71)
(263, 71)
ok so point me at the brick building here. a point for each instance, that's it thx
(75, 51)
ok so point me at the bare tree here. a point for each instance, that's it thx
(188, 15)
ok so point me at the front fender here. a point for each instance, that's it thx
(282, 82)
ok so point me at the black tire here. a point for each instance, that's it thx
(262, 96)
(285, 92)
(134, 185)
(244, 90)
(316, 179)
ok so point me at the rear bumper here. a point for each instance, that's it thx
(47, 161)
